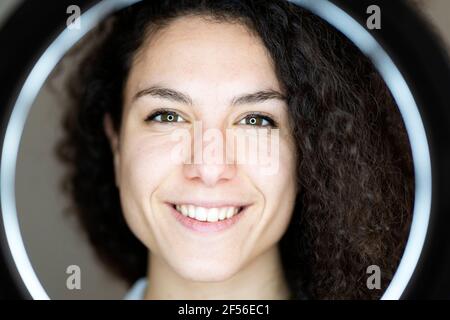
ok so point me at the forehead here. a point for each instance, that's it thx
(192, 51)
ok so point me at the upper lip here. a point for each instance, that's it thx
(210, 204)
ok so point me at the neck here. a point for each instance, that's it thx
(261, 279)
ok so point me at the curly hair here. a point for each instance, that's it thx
(355, 173)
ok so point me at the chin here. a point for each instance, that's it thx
(206, 271)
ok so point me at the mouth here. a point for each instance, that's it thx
(208, 214)
(207, 219)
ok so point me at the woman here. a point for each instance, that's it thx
(339, 201)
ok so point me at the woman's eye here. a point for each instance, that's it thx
(165, 116)
(257, 120)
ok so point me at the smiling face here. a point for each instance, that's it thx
(218, 75)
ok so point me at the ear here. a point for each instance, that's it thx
(113, 138)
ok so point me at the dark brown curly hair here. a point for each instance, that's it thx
(355, 173)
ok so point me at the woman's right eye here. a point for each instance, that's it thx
(165, 116)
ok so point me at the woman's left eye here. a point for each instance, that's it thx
(257, 120)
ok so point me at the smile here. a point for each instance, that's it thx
(207, 214)
(210, 218)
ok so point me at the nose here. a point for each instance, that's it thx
(210, 174)
(210, 163)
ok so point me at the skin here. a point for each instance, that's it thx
(211, 63)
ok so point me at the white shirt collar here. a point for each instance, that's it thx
(137, 291)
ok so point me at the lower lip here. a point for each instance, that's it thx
(205, 226)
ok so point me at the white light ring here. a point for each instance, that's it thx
(322, 8)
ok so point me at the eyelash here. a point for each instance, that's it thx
(271, 122)
(152, 116)
(159, 112)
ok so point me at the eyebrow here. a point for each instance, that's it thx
(176, 96)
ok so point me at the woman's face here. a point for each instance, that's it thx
(197, 70)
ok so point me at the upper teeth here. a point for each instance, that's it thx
(207, 214)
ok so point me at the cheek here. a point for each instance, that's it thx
(275, 175)
(279, 190)
(147, 157)
(145, 161)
